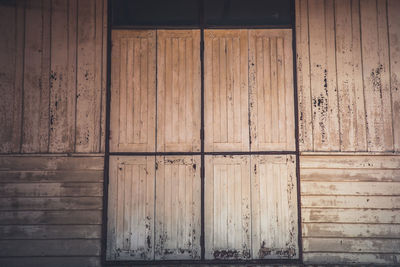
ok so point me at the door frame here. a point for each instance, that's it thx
(107, 154)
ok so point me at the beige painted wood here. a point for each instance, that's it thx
(53, 85)
(86, 202)
(22, 232)
(347, 67)
(323, 76)
(226, 90)
(67, 247)
(66, 261)
(350, 258)
(350, 162)
(376, 75)
(351, 230)
(89, 75)
(178, 208)
(70, 217)
(178, 90)
(351, 175)
(133, 91)
(35, 132)
(131, 208)
(348, 188)
(393, 8)
(11, 67)
(367, 216)
(349, 76)
(63, 76)
(227, 207)
(362, 202)
(316, 244)
(303, 77)
(271, 90)
(350, 204)
(274, 207)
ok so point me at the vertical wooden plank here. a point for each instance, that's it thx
(11, 65)
(178, 87)
(274, 207)
(227, 208)
(131, 208)
(133, 81)
(177, 208)
(104, 25)
(36, 69)
(350, 86)
(271, 90)
(63, 76)
(219, 78)
(323, 76)
(89, 76)
(394, 46)
(303, 76)
(375, 55)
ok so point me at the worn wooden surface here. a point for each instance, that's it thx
(350, 209)
(347, 67)
(251, 207)
(226, 90)
(131, 208)
(133, 91)
(50, 210)
(178, 90)
(53, 76)
(178, 208)
(271, 90)
(274, 207)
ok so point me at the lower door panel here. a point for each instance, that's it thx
(178, 208)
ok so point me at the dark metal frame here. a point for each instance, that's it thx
(202, 153)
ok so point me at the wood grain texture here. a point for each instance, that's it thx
(11, 67)
(133, 91)
(53, 82)
(347, 54)
(393, 8)
(131, 208)
(178, 90)
(89, 90)
(349, 208)
(227, 207)
(226, 90)
(271, 90)
(51, 207)
(274, 207)
(303, 77)
(178, 208)
(323, 75)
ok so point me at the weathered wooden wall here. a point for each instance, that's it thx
(52, 83)
(350, 208)
(52, 86)
(50, 210)
(348, 64)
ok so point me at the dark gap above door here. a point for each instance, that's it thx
(188, 13)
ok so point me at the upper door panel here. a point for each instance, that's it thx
(178, 90)
(133, 91)
(226, 90)
(271, 90)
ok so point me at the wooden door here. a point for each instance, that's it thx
(250, 200)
